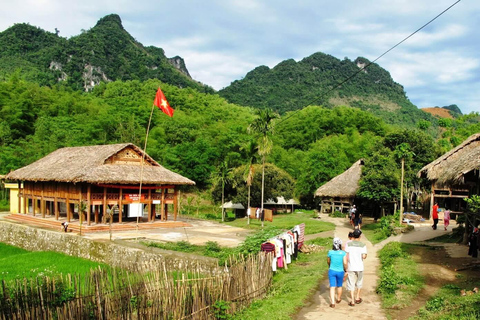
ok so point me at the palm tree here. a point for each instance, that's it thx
(223, 175)
(251, 150)
(264, 125)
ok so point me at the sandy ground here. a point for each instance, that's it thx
(199, 233)
(319, 306)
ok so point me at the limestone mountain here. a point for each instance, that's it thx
(106, 52)
(320, 80)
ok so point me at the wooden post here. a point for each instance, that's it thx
(149, 206)
(96, 214)
(162, 208)
(120, 206)
(104, 204)
(25, 201)
(89, 204)
(68, 206)
(55, 202)
(42, 201)
(175, 204)
(20, 191)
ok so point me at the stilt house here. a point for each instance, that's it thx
(96, 182)
(339, 193)
(455, 175)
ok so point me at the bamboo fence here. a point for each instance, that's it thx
(190, 293)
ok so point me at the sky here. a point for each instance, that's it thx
(222, 40)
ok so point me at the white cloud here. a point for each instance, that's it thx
(223, 40)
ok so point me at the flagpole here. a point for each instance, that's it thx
(143, 160)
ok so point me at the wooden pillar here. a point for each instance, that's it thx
(166, 211)
(96, 214)
(149, 206)
(34, 203)
(175, 204)
(104, 204)
(68, 207)
(120, 206)
(162, 209)
(55, 204)
(20, 192)
(89, 206)
(42, 201)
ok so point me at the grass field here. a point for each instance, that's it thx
(286, 221)
(17, 263)
(291, 288)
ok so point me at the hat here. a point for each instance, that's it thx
(357, 233)
(337, 243)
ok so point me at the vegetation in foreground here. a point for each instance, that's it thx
(449, 304)
(291, 287)
(384, 228)
(17, 263)
(400, 279)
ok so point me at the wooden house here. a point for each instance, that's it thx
(94, 182)
(455, 175)
(339, 193)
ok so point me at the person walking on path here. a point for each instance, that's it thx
(435, 216)
(446, 218)
(357, 252)
(337, 262)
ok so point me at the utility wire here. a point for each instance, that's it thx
(368, 64)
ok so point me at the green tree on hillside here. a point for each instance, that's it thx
(264, 126)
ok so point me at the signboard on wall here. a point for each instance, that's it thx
(135, 210)
(134, 197)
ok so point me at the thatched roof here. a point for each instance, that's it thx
(280, 200)
(344, 185)
(98, 165)
(230, 205)
(450, 169)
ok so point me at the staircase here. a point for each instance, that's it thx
(74, 226)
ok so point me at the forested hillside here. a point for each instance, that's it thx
(106, 52)
(315, 80)
(310, 146)
(48, 101)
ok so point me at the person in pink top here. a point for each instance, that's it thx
(446, 218)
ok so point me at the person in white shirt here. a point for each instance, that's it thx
(357, 252)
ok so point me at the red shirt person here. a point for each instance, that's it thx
(435, 216)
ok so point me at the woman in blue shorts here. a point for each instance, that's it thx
(337, 261)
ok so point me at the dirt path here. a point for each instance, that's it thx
(370, 308)
(319, 306)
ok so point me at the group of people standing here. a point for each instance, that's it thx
(346, 263)
(446, 217)
(355, 218)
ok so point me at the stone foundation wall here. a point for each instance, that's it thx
(122, 254)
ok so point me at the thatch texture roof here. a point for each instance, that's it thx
(280, 200)
(344, 185)
(231, 205)
(97, 165)
(451, 168)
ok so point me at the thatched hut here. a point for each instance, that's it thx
(339, 193)
(118, 178)
(455, 174)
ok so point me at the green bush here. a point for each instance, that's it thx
(337, 214)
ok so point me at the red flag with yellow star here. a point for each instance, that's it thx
(162, 103)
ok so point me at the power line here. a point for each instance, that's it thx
(368, 64)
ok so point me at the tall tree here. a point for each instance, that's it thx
(250, 150)
(223, 175)
(264, 126)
